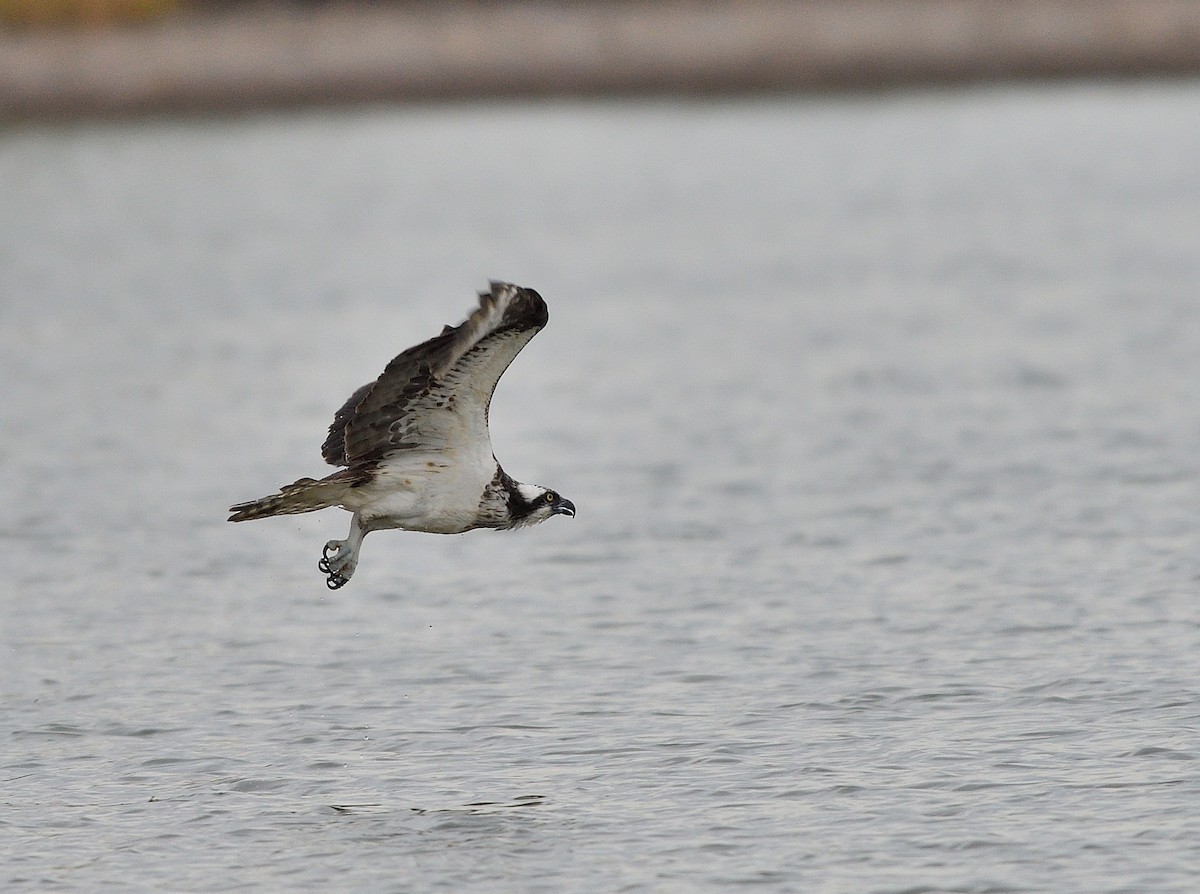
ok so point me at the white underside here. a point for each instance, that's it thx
(423, 492)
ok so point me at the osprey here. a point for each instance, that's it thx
(415, 445)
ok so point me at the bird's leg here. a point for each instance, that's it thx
(339, 558)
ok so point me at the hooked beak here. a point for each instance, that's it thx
(564, 507)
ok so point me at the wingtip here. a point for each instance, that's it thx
(499, 288)
(533, 305)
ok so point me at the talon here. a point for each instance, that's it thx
(335, 562)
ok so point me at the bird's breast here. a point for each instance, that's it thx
(425, 493)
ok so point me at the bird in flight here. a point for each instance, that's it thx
(414, 444)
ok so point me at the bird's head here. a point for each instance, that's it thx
(531, 504)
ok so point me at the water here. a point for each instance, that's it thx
(881, 415)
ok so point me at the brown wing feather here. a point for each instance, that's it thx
(387, 414)
(334, 448)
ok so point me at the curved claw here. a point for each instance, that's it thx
(331, 553)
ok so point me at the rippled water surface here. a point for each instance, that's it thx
(882, 416)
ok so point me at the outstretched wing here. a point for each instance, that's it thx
(435, 396)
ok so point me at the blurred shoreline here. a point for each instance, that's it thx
(237, 57)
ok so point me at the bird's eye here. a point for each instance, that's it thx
(550, 498)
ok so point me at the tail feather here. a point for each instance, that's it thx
(305, 495)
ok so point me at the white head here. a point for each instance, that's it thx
(531, 504)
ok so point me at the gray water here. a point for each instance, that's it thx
(881, 415)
